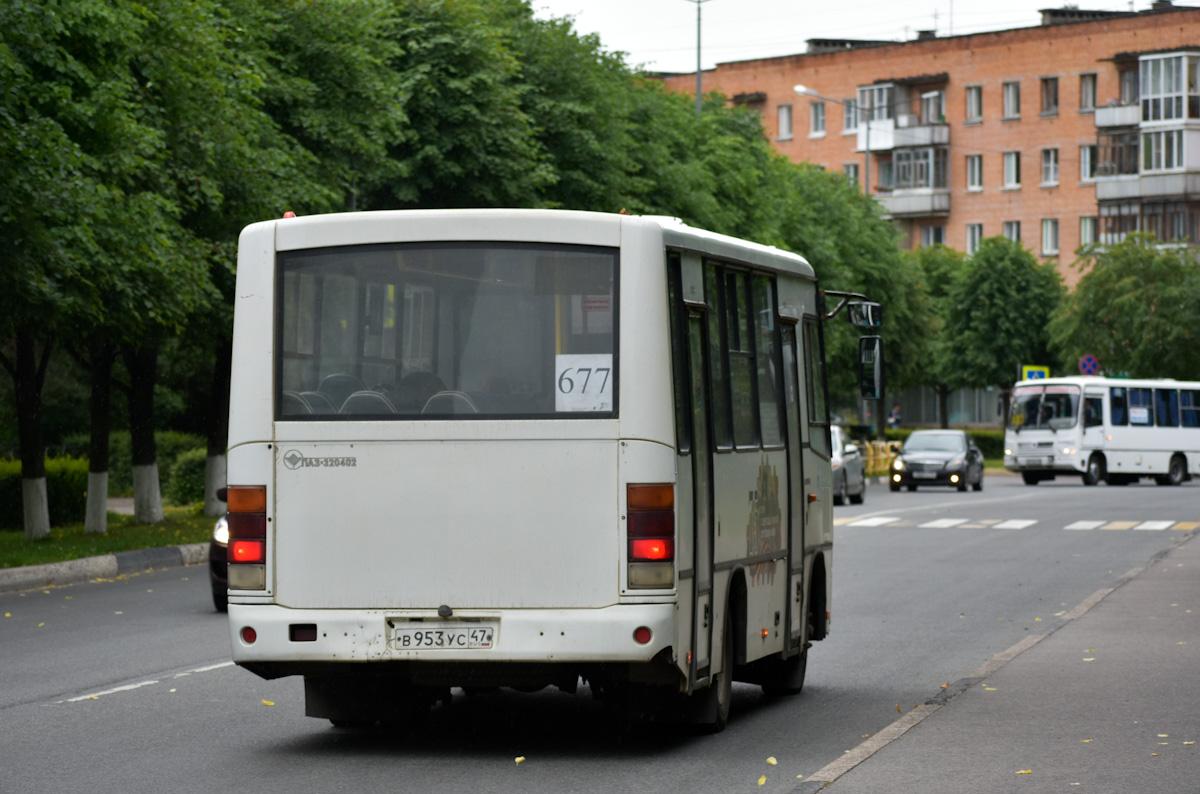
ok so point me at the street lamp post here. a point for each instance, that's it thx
(699, 101)
(804, 90)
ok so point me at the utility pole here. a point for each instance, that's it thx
(699, 101)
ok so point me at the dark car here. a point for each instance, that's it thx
(218, 564)
(937, 457)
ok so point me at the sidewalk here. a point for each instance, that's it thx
(1107, 703)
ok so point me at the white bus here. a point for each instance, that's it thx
(480, 448)
(1112, 429)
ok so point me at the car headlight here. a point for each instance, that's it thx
(898, 464)
(954, 464)
(221, 532)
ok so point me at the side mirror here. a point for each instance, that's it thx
(870, 367)
(850, 449)
(865, 314)
(223, 494)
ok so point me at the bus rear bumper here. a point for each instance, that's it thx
(283, 637)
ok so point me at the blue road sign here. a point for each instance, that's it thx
(1089, 365)
(1034, 372)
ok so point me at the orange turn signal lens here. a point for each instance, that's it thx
(651, 497)
(247, 498)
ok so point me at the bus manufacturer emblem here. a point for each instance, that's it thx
(294, 459)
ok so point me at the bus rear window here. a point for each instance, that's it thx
(447, 330)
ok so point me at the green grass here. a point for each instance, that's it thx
(69, 542)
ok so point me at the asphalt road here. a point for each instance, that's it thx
(126, 686)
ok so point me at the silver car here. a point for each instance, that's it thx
(849, 477)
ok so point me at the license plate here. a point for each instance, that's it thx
(451, 638)
(924, 475)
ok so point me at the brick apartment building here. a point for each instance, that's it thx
(1079, 130)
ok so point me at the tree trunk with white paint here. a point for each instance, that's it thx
(214, 479)
(37, 508)
(147, 497)
(96, 518)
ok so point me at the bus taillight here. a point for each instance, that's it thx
(651, 533)
(247, 521)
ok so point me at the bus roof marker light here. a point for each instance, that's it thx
(289, 214)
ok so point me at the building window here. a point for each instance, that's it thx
(1049, 236)
(920, 168)
(933, 108)
(1087, 230)
(817, 117)
(1162, 151)
(1012, 169)
(887, 175)
(1087, 163)
(849, 114)
(974, 237)
(851, 172)
(1117, 221)
(876, 102)
(1012, 230)
(1049, 96)
(1117, 154)
(974, 104)
(933, 235)
(1087, 93)
(1129, 87)
(1170, 222)
(1012, 100)
(1049, 167)
(1162, 90)
(785, 122)
(974, 172)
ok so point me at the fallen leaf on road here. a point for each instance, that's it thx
(1037, 620)
(762, 781)
(172, 690)
(268, 703)
(1090, 659)
(41, 624)
(772, 761)
(990, 688)
(865, 736)
(1085, 741)
(519, 758)
(1155, 755)
(898, 711)
(1025, 772)
(1164, 736)
(8, 614)
(1189, 742)
(945, 685)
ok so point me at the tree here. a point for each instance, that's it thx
(1134, 309)
(940, 267)
(999, 310)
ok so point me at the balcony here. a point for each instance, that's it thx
(1119, 115)
(915, 203)
(1177, 185)
(902, 131)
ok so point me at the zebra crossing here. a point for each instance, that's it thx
(1085, 525)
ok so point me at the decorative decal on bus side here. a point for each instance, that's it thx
(762, 530)
(294, 459)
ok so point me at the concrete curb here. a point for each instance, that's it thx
(32, 577)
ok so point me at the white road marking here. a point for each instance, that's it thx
(945, 523)
(1085, 525)
(1154, 525)
(877, 521)
(205, 669)
(1015, 523)
(125, 688)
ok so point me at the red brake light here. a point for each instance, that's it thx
(651, 549)
(246, 551)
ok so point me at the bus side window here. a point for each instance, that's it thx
(1118, 408)
(722, 435)
(769, 405)
(1141, 407)
(814, 381)
(1189, 408)
(1166, 407)
(683, 427)
(1093, 412)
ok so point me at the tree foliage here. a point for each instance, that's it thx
(1134, 309)
(999, 309)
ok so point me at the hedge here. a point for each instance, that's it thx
(170, 445)
(989, 440)
(187, 477)
(66, 491)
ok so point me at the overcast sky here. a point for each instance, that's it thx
(661, 34)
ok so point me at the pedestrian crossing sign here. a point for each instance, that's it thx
(1034, 372)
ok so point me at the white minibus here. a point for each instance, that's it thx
(480, 448)
(1116, 430)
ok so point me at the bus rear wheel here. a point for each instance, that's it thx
(1176, 473)
(1095, 470)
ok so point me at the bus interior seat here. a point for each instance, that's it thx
(415, 389)
(319, 402)
(367, 402)
(338, 386)
(450, 402)
(294, 404)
